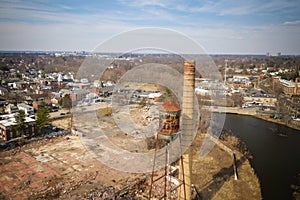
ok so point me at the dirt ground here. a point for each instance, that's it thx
(213, 175)
(61, 168)
(58, 169)
(143, 86)
(62, 123)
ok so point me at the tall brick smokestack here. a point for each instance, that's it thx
(187, 127)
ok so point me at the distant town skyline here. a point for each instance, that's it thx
(221, 26)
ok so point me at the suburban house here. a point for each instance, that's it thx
(26, 108)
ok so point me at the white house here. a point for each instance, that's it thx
(27, 109)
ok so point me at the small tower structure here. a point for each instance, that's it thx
(169, 121)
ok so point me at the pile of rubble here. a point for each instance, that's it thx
(31, 142)
(135, 191)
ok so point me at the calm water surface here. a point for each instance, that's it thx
(276, 153)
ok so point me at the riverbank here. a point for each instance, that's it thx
(277, 121)
(252, 112)
(213, 174)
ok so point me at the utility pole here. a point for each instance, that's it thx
(226, 65)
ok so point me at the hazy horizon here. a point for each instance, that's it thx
(83, 51)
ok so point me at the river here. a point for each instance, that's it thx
(276, 153)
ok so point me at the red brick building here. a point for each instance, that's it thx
(8, 131)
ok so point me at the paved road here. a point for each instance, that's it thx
(233, 110)
(58, 113)
(65, 112)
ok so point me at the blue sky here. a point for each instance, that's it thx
(220, 26)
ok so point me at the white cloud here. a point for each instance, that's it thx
(247, 39)
(296, 22)
(233, 7)
(138, 3)
(46, 28)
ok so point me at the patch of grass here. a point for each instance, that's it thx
(104, 111)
